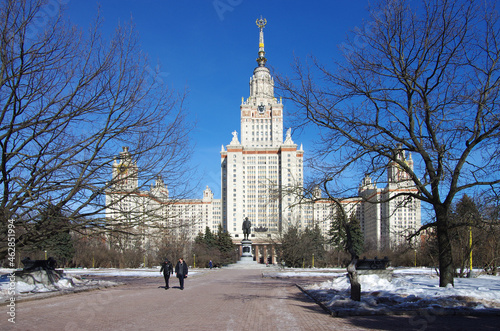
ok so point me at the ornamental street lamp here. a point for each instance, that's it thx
(470, 251)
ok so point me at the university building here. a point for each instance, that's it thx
(258, 171)
(262, 179)
(152, 213)
(388, 214)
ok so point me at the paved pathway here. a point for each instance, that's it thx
(227, 299)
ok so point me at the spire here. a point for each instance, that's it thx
(261, 23)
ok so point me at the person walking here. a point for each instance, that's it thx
(167, 269)
(210, 264)
(181, 270)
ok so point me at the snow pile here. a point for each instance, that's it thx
(65, 284)
(300, 273)
(408, 292)
(73, 281)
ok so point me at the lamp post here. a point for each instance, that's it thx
(470, 251)
(415, 250)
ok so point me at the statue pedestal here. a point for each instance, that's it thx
(246, 254)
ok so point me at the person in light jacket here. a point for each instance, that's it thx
(181, 271)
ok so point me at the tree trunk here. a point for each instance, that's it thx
(353, 278)
(446, 269)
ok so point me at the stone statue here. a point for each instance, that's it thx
(288, 139)
(235, 139)
(246, 228)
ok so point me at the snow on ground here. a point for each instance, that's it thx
(66, 284)
(292, 273)
(413, 289)
(73, 280)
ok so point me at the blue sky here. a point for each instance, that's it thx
(210, 47)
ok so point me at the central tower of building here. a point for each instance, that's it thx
(261, 176)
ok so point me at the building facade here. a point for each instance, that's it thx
(152, 213)
(262, 179)
(388, 215)
(261, 173)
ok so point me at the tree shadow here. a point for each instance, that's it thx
(417, 319)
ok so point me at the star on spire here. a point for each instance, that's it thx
(261, 23)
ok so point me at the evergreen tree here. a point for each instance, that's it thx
(464, 233)
(357, 234)
(337, 232)
(209, 238)
(225, 245)
(290, 249)
(313, 243)
(466, 212)
(341, 230)
(224, 241)
(55, 238)
(200, 238)
(217, 247)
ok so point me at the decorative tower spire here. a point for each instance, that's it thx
(261, 23)
(261, 114)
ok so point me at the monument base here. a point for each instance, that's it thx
(246, 259)
(246, 248)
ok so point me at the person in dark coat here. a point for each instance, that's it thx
(167, 269)
(181, 270)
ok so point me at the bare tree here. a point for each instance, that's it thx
(69, 101)
(421, 76)
(351, 241)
